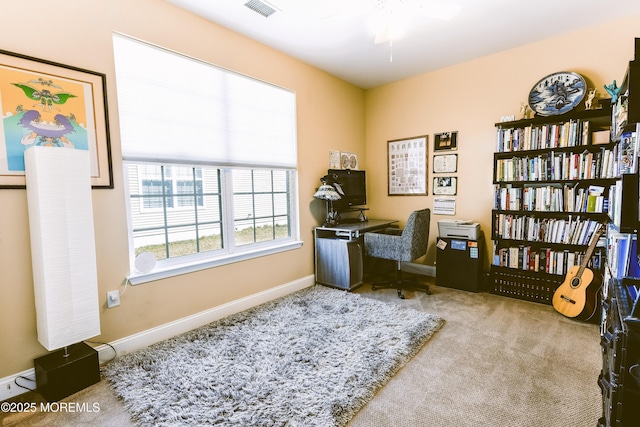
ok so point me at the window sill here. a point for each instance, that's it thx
(160, 273)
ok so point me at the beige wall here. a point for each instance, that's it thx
(470, 98)
(78, 33)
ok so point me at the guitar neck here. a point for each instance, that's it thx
(590, 249)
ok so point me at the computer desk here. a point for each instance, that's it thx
(339, 252)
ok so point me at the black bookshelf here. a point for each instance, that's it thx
(540, 139)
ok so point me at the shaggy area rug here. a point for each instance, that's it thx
(312, 358)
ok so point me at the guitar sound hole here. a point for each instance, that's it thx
(575, 282)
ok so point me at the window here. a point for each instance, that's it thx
(210, 161)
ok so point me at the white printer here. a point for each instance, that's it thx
(459, 229)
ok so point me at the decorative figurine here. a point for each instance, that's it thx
(524, 110)
(613, 90)
(588, 104)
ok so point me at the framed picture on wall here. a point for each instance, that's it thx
(445, 141)
(407, 166)
(348, 160)
(44, 103)
(445, 163)
(445, 185)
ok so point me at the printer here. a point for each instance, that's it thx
(458, 229)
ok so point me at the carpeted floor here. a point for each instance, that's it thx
(498, 362)
(311, 358)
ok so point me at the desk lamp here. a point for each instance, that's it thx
(328, 192)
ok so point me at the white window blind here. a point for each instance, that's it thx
(178, 109)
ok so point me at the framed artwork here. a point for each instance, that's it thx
(334, 159)
(445, 141)
(44, 103)
(407, 165)
(445, 163)
(445, 185)
(348, 160)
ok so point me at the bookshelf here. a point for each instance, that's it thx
(554, 179)
(619, 379)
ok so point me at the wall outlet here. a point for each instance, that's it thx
(113, 299)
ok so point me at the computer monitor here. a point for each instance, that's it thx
(354, 186)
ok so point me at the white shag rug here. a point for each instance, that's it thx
(312, 358)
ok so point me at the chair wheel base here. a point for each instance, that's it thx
(401, 286)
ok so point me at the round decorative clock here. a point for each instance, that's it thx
(557, 93)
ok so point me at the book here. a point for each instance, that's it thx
(633, 264)
(627, 153)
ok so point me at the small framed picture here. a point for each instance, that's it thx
(445, 185)
(445, 141)
(445, 163)
(348, 160)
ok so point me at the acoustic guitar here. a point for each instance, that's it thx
(576, 297)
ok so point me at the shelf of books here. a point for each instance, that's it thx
(555, 179)
(619, 380)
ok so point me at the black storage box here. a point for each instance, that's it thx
(58, 376)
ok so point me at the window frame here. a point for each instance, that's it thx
(255, 127)
(175, 195)
(230, 253)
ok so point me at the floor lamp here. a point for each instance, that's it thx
(64, 268)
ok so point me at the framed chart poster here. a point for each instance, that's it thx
(407, 162)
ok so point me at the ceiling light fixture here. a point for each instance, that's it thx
(393, 18)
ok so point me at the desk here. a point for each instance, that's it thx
(339, 252)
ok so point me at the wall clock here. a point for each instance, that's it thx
(557, 93)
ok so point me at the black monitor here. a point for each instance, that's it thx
(354, 186)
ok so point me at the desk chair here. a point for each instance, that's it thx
(401, 246)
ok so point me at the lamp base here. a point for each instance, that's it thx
(59, 375)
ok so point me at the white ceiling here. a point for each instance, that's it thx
(335, 35)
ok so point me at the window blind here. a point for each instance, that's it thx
(174, 108)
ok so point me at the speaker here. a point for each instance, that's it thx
(58, 376)
(629, 204)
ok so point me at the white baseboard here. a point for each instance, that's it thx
(9, 389)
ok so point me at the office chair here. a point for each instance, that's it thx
(401, 246)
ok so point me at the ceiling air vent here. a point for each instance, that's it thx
(261, 7)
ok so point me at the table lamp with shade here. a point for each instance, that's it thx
(329, 191)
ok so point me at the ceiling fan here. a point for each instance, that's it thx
(389, 19)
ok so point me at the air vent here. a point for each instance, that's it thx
(261, 7)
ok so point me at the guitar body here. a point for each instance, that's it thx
(577, 296)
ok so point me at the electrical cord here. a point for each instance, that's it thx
(15, 380)
(115, 353)
(126, 285)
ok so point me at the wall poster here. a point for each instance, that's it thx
(407, 163)
(44, 103)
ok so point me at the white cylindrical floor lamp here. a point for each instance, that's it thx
(64, 267)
